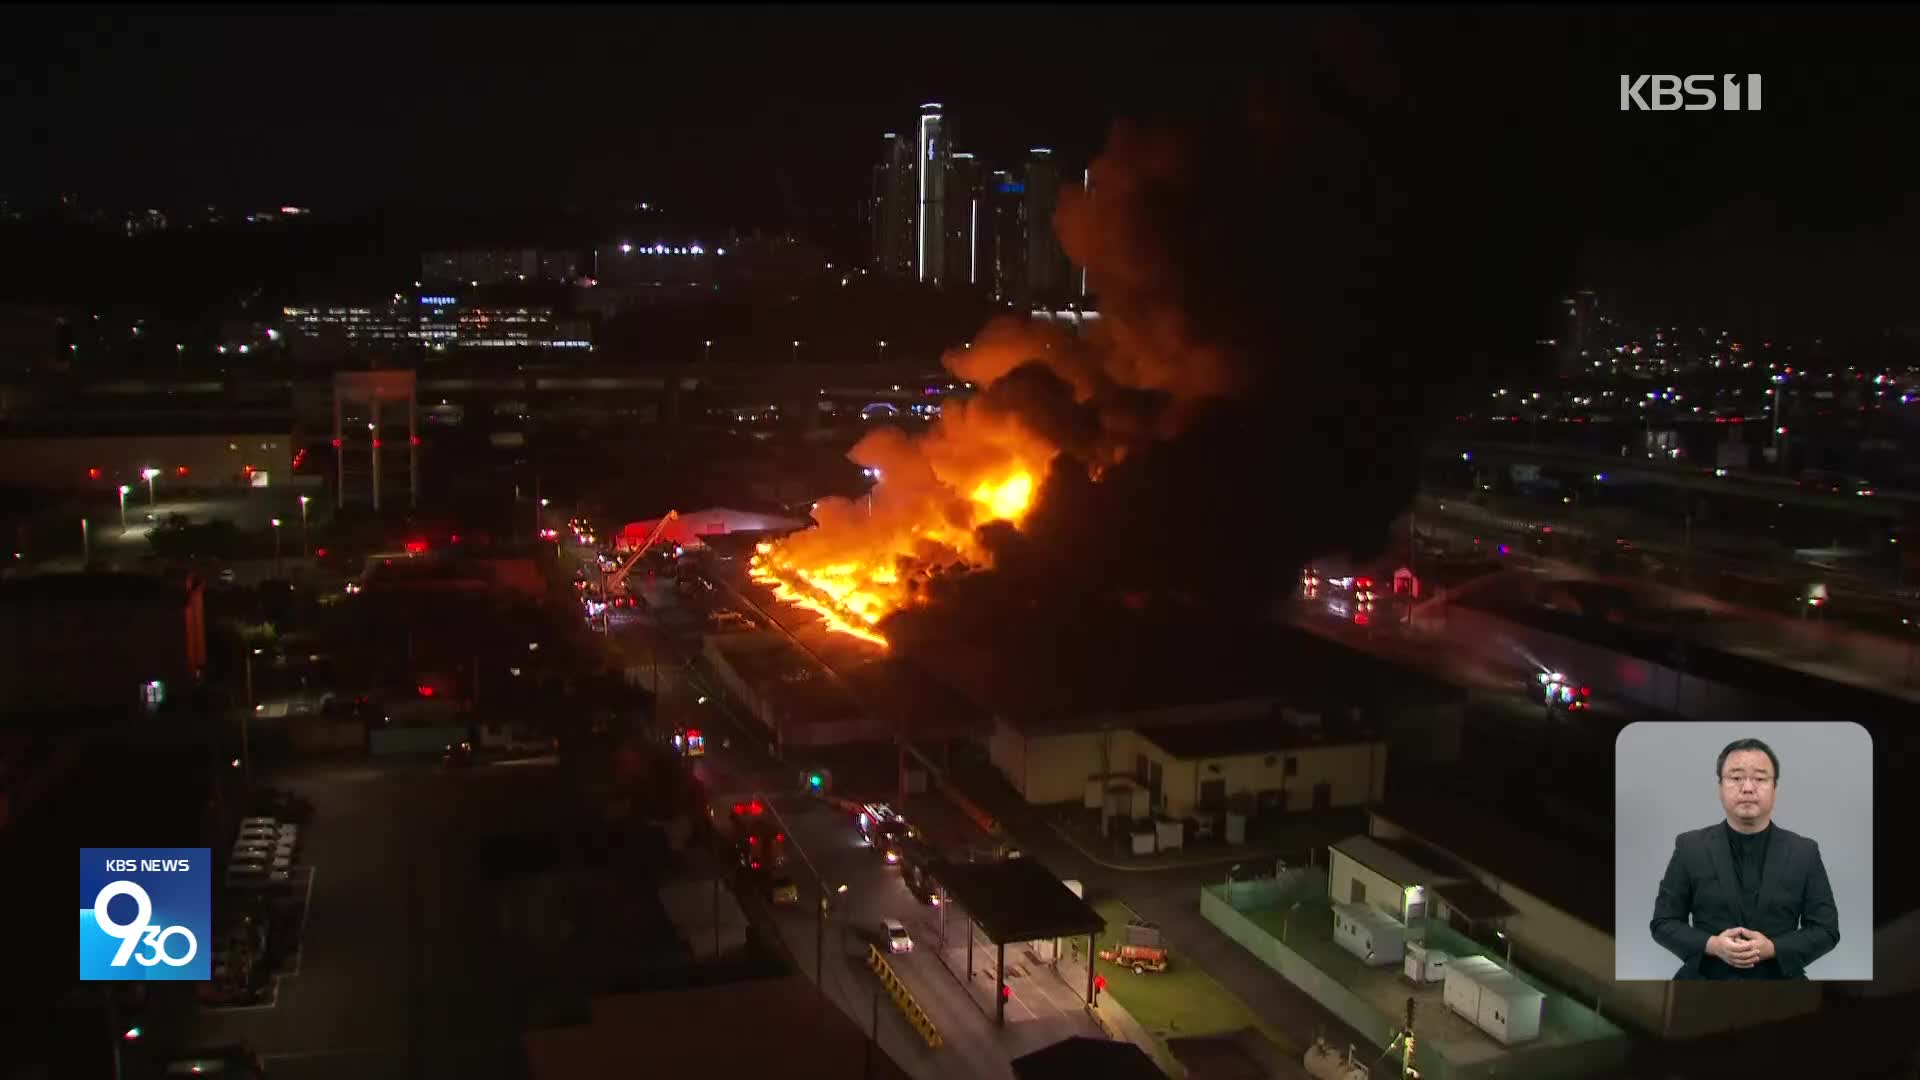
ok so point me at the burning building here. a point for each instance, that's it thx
(1262, 283)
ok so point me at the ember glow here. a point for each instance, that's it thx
(875, 555)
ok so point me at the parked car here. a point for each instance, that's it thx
(256, 875)
(457, 755)
(783, 891)
(896, 934)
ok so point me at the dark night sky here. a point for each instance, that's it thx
(1801, 214)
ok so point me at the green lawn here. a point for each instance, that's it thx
(1179, 1002)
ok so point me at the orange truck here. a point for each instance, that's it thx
(1141, 958)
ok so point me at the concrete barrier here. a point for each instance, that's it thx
(903, 998)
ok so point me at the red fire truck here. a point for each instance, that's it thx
(758, 839)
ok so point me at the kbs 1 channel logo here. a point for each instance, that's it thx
(146, 914)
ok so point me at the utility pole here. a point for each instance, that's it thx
(1407, 1071)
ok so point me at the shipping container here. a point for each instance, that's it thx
(1377, 938)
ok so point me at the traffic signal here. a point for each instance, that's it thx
(816, 781)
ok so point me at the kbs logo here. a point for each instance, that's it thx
(146, 914)
(1693, 93)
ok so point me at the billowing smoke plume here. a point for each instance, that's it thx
(1289, 300)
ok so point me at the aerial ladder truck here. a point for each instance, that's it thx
(613, 583)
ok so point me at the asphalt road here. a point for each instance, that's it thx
(828, 853)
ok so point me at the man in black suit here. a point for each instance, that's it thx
(1745, 898)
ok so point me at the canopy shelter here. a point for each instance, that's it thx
(1016, 900)
(1078, 1057)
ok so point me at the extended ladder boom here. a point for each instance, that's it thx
(618, 578)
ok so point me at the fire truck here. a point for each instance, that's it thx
(758, 840)
(1347, 597)
(885, 831)
(689, 742)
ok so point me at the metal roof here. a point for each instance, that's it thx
(1017, 900)
(1388, 863)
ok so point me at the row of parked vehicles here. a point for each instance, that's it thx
(257, 914)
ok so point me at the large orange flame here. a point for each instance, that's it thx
(873, 556)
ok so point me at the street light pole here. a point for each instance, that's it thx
(796, 352)
(123, 508)
(303, 526)
(820, 946)
(276, 547)
(706, 351)
(246, 722)
(883, 352)
(148, 475)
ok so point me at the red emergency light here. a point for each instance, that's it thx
(416, 547)
(425, 690)
(180, 471)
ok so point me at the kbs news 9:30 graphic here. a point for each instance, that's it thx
(146, 914)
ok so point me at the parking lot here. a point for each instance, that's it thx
(403, 966)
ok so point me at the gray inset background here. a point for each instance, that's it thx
(1664, 785)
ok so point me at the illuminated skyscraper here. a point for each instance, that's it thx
(963, 244)
(1047, 268)
(894, 209)
(1004, 225)
(930, 163)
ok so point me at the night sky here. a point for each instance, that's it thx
(1803, 215)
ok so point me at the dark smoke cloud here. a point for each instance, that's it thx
(1292, 293)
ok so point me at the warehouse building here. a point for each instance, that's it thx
(1193, 719)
